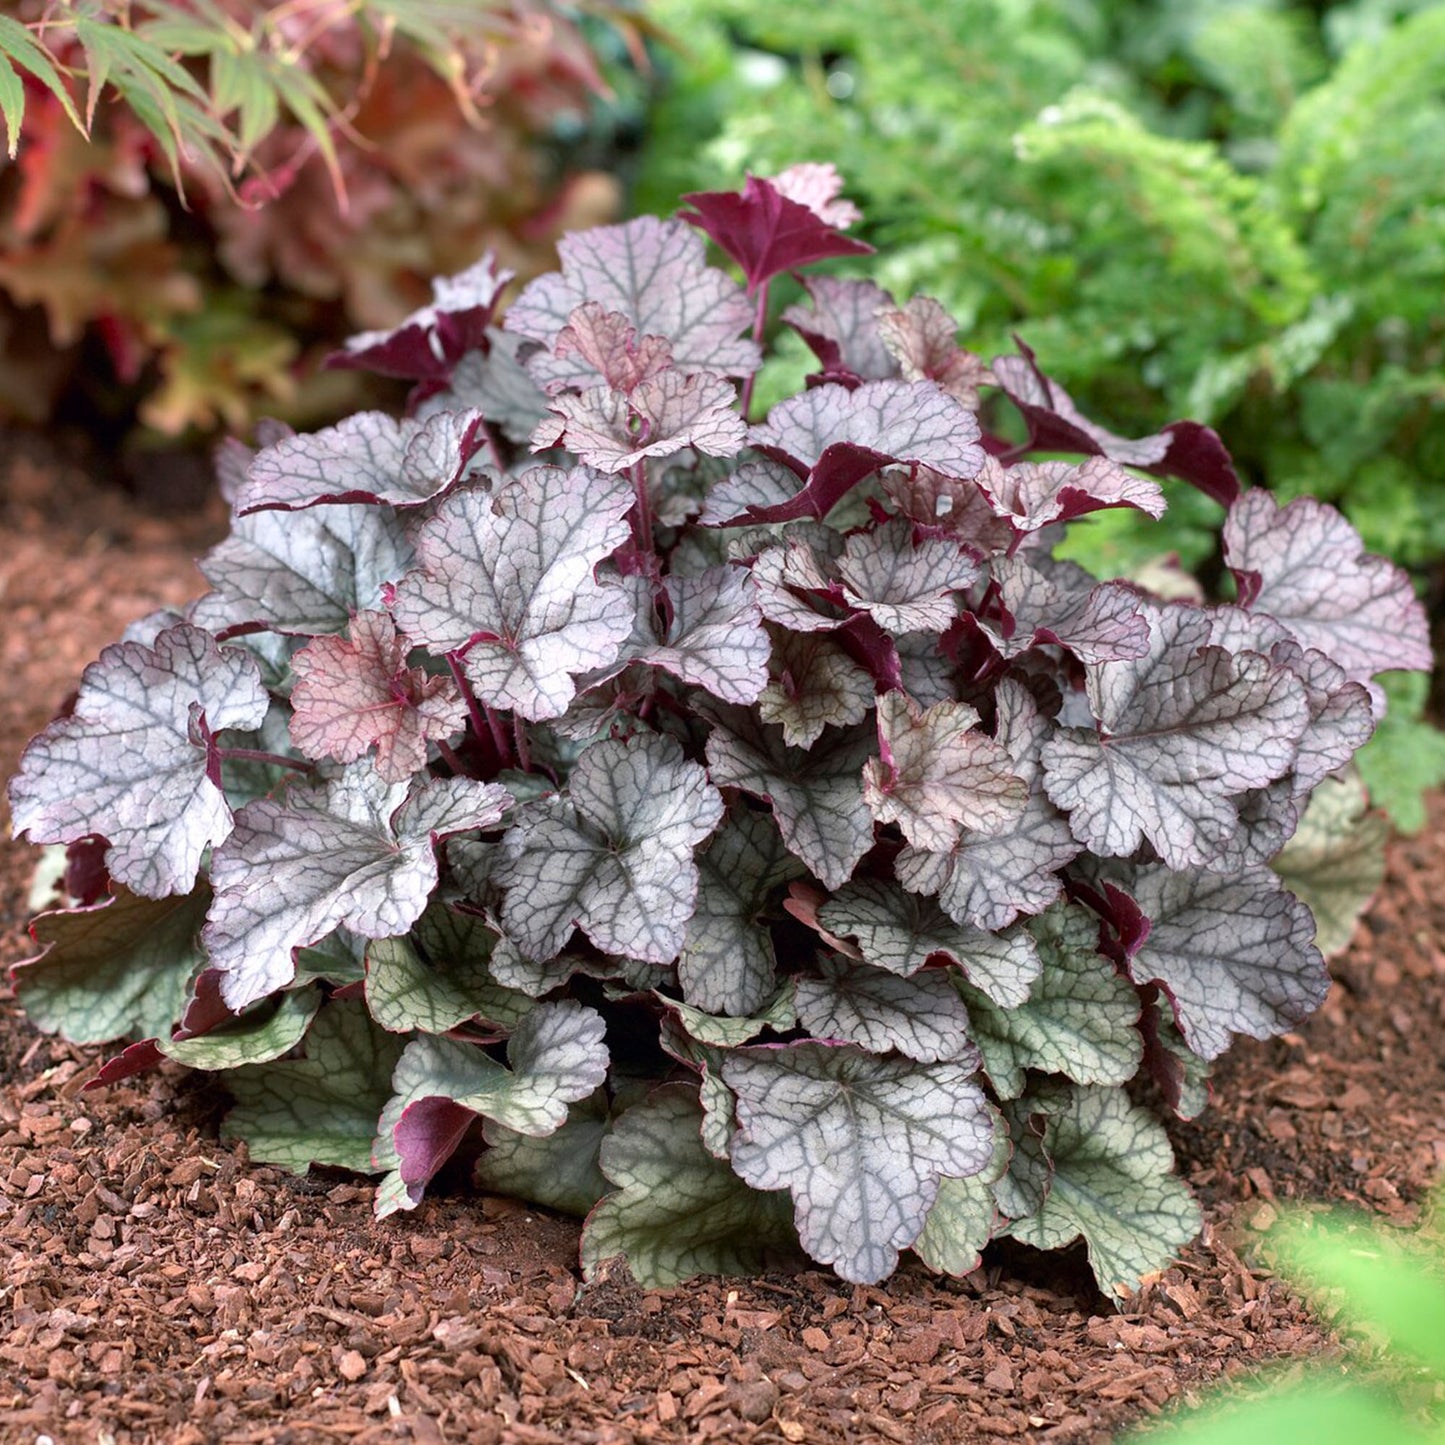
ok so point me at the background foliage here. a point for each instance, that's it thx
(202, 196)
(1231, 211)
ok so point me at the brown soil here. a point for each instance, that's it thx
(154, 1286)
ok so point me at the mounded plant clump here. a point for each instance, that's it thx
(746, 834)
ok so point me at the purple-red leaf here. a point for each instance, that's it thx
(430, 342)
(767, 233)
(1183, 449)
(350, 694)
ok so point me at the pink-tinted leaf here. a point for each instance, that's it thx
(923, 339)
(1181, 731)
(842, 327)
(664, 414)
(135, 762)
(351, 694)
(1035, 494)
(1305, 566)
(368, 457)
(507, 579)
(938, 773)
(818, 186)
(1234, 953)
(355, 851)
(834, 436)
(430, 342)
(655, 274)
(988, 880)
(608, 342)
(495, 384)
(1183, 449)
(767, 233)
(952, 505)
(797, 584)
(902, 584)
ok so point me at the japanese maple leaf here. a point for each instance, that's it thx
(767, 233)
(350, 694)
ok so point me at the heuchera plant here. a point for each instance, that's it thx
(744, 833)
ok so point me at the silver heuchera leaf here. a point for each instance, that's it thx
(305, 573)
(842, 328)
(861, 1142)
(1181, 732)
(1233, 952)
(654, 273)
(135, 762)
(902, 421)
(924, 339)
(1335, 863)
(921, 1017)
(614, 856)
(507, 581)
(814, 685)
(715, 638)
(677, 1211)
(1056, 602)
(556, 1056)
(608, 342)
(367, 457)
(354, 851)
(903, 586)
(1113, 1182)
(938, 774)
(1032, 495)
(899, 932)
(1305, 566)
(559, 1170)
(664, 415)
(781, 573)
(323, 1108)
(497, 385)
(987, 881)
(1079, 1019)
(952, 504)
(727, 961)
(1341, 716)
(406, 992)
(965, 1216)
(351, 693)
(715, 1032)
(256, 1037)
(817, 796)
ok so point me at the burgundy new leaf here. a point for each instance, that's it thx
(1183, 449)
(351, 694)
(765, 232)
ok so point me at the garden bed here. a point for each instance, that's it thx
(156, 1287)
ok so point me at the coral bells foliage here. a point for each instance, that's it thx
(743, 832)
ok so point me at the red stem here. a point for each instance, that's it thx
(260, 755)
(760, 321)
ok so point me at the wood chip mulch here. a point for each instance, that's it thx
(156, 1287)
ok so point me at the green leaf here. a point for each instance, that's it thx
(1336, 860)
(965, 1216)
(405, 991)
(119, 970)
(1317, 1410)
(676, 1211)
(19, 48)
(1079, 1019)
(1113, 1183)
(321, 1109)
(1406, 756)
(256, 1037)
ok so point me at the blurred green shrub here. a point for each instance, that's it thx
(1233, 211)
(1384, 1288)
(193, 184)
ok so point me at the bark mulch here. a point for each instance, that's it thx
(155, 1286)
